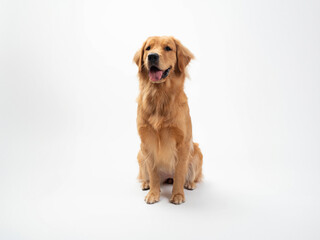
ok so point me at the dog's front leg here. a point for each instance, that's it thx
(154, 192)
(177, 196)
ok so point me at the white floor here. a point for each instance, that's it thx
(51, 194)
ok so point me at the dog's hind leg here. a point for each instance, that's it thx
(194, 174)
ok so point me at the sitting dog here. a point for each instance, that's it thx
(167, 149)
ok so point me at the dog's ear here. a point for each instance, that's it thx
(138, 57)
(184, 56)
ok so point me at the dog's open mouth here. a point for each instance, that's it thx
(155, 74)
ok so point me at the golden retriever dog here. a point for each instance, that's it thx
(167, 149)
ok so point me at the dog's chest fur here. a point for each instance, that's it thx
(158, 108)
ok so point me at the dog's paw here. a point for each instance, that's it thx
(177, 198)
(145, 186)
(152, 197)
(190, 185)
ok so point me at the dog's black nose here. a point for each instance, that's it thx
(153, 57)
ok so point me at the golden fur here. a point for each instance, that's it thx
(164, 123)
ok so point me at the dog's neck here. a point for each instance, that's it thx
(159, 99)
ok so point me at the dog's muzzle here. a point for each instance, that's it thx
(155, 74)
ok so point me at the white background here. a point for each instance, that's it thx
(68, 138)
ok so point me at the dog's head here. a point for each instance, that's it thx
(162, 56)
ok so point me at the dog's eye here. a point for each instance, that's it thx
(168, 48)
(148, 48)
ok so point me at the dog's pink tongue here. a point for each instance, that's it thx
(155, 75)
